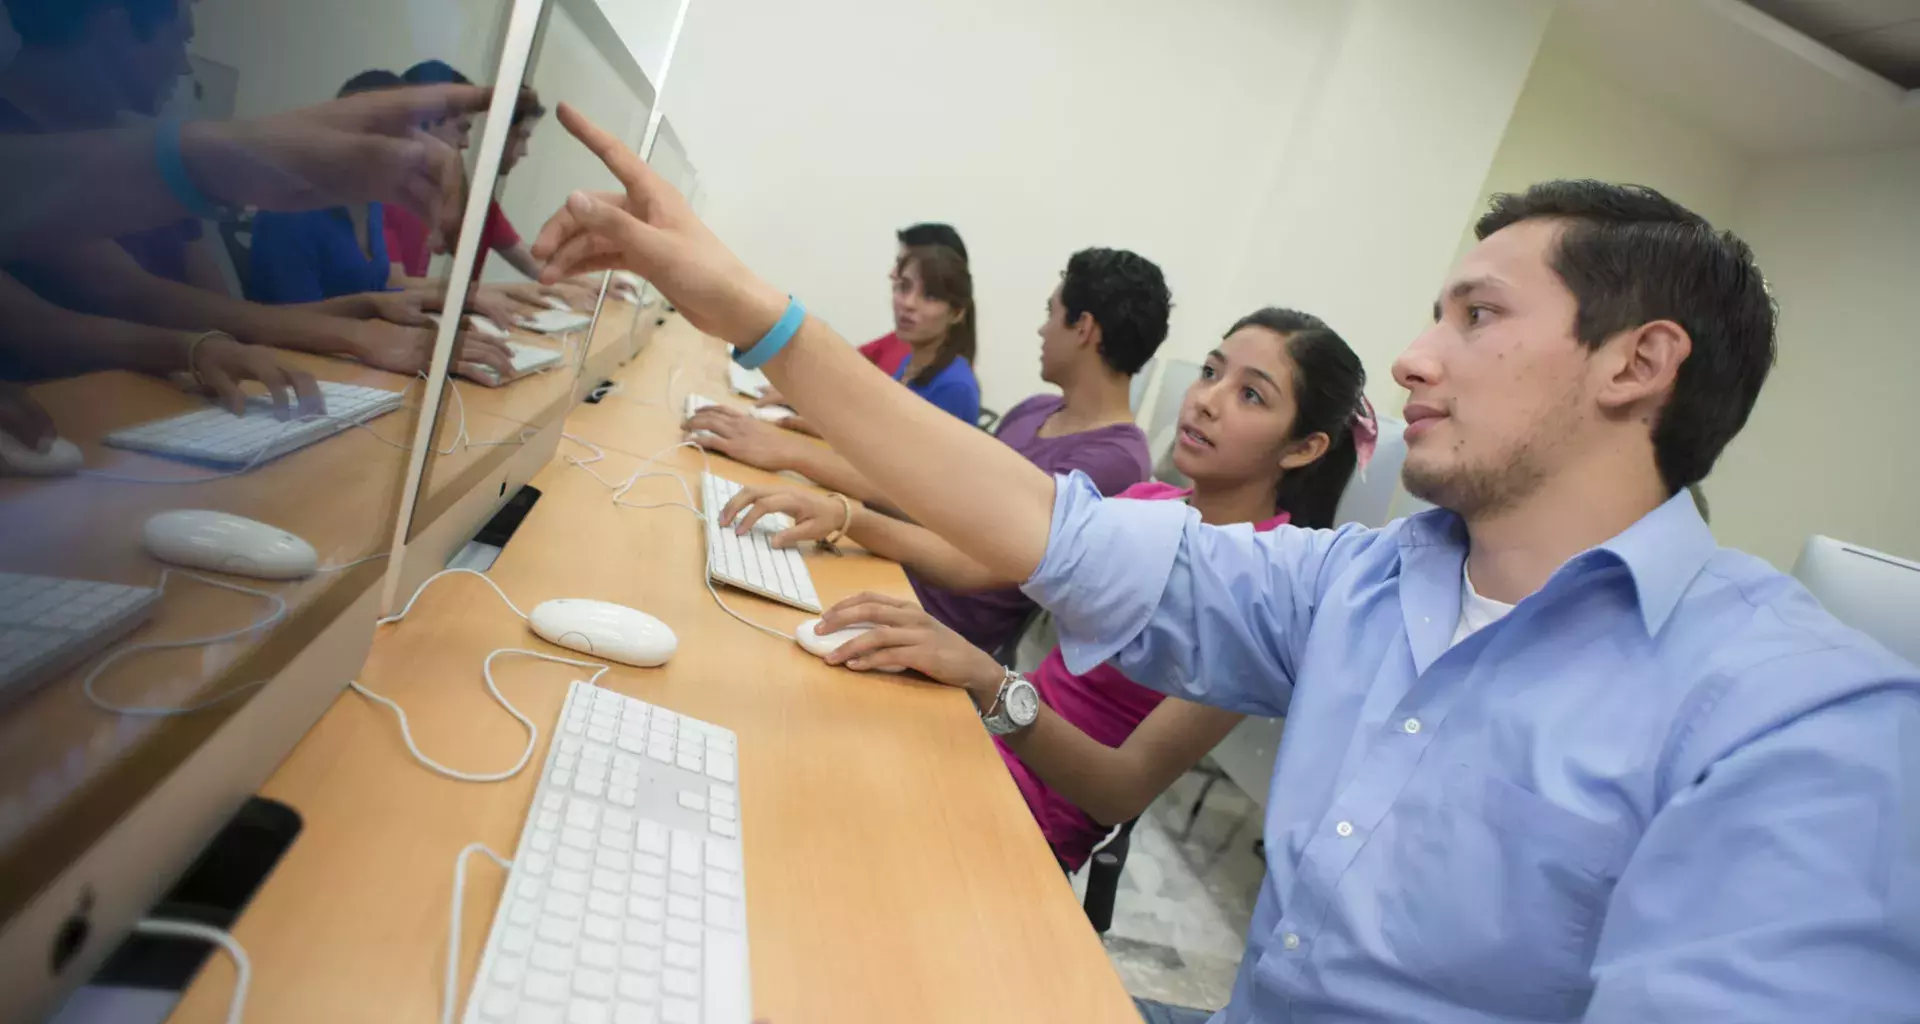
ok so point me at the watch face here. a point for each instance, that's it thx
(1023, 703)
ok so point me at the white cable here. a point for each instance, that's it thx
(486, 672)
(706, 467)
(451, 994)
(279, 612)
(424, 584)
(242, 967)
(323, 570)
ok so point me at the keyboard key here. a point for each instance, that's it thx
(693, 801)
(536, 863)
(605, 903)
(582, 814)
(510, 970)
(557, 930)
(596, 984)
(516, 940)
(643, 960)
(574, 859)
(684, 885)
(683, 907)
(565, 904)
(653, 887)
(684, 957)
(682, 931)
(685, 858)
(722, 767)
(601, 927)
(546, 987)
(578, 838)
(553, 801)
(630, 1013)
(499, 1004)
(645, 933)
(522, 913)
(570, 881)
(588, 1011)
(548, 956)
(724, 913)
(723, 883)
(680, 983)
(724, 828)
(609, 881)
(641, 988)
(679, 1011)
(601, 955)
(723, 855)
(646, 909)
(650, 837)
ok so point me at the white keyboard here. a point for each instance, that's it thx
(627, 899)
(751, 383)
(555, 321)
(48, 625)
(751, 562)
(217, 436)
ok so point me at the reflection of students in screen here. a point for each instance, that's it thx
(407, 235)
(322, 254)
(55, 84)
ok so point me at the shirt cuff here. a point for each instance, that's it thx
(1105, 569)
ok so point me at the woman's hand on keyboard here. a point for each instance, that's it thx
(742, 438)
(815, 516)
(222, 364)
(409, 350)
(905, 636)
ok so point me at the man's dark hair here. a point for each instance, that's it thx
(371, 81)
(932, 234)
(1329, 384)
(59, 22)
(1128, 298)
(434, 72)
(1632, 256)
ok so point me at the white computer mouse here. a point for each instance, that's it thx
(224, 542)
(772, 413)
(60, 457)
(822, 644)
(604, 630)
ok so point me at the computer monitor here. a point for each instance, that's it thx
(141, 706)
(1874, 592)
(492, 434)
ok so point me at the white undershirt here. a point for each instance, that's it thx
(1476, 612)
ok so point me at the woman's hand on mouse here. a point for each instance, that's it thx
(905, 636)
(815, 516)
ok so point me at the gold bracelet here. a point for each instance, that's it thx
(832, 540)
(193, 353)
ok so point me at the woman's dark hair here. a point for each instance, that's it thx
(1328, 386)
(370, 81)
(932, 234)
(944, 276)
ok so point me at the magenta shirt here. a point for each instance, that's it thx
(1104, 704)
(1113, 457)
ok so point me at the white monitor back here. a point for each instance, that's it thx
(1872, 591)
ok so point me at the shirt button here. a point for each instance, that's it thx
(1345, 829)
(1290, 940)
(1412, 725)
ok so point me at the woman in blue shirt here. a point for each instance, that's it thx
(933, 313)
(315, 255)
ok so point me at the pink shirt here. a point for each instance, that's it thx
(1104, 704)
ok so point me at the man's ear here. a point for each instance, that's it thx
(1642, 365)
(1087, 328)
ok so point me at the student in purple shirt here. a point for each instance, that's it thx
(1105, 319)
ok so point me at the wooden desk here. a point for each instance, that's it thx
(894, 873)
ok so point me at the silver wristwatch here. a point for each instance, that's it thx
(1014, 708)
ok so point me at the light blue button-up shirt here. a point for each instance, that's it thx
(1666, 787)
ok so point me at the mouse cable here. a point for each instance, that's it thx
(450, 998)
(279, 612)
(620, 491)
(242, 967)
(486, 673)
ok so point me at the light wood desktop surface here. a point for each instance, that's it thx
(893, 871)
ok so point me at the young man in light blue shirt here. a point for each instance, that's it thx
(1657, 782)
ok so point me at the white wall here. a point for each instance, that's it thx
(1037, 127)
(1361, 223)
(1572, 121)
(1830, 446)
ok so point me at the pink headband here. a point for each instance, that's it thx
(1366, 432)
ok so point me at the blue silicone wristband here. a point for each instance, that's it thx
(173, 171)
(775, 339)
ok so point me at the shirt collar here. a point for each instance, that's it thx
(1663, 551)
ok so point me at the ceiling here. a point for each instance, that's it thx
(1882, 36)
(1743, 75)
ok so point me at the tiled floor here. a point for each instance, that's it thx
(1180, 918)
